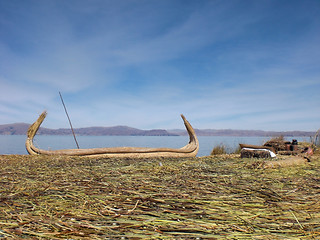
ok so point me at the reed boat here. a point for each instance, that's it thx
(189, 150)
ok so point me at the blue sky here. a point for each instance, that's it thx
(223, 64)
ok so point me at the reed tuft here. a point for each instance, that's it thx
(218, 150)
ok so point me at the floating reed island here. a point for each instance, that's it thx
(216, 197)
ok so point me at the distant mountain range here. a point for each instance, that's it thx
(21, 129)
(244, 133)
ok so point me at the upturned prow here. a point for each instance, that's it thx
(191, 132)
(32, 130)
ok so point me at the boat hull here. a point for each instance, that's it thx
(190, 150)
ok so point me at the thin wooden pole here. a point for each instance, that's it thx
(65, 109)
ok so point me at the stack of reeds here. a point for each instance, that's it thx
(278, 143)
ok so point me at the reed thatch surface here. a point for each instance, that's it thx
(220, 197)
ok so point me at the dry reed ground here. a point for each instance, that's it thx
(220, 197)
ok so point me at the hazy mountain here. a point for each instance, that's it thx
(14, 129)
(21, 129)
(246, 133)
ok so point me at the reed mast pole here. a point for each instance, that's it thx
(65, 109)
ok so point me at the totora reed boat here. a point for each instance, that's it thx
(189, 150)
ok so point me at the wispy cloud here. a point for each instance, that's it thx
(224, 64)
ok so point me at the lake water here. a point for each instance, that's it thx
(15, 144)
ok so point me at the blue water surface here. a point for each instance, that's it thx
(15, 144)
